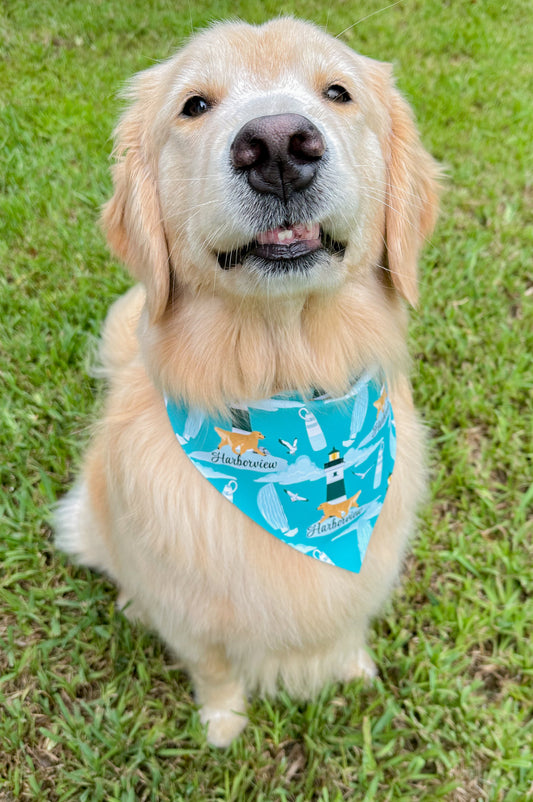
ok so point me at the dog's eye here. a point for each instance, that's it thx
(195, 106)
(337, 94)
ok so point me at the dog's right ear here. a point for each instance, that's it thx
(412, 197)
(132, 218)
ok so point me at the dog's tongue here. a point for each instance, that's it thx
(308, 232)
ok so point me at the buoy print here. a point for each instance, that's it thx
(314, 552)
(317, 441)
(229, 489)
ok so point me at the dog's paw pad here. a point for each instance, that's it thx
(360, 666)
(222, 725)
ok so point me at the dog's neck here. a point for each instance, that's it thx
(208, 351)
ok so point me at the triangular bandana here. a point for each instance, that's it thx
(312, 472)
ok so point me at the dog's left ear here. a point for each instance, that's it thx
(412, 197)
(132, 218)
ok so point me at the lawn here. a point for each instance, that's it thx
(91, 707)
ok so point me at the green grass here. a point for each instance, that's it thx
(91, 707)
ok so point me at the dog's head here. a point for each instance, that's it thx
(268, 160)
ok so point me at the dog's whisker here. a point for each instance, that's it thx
(182, 229)
(199, 207)
(422, 280)
(410, 223)
(200, 179)
(368, 16)
(416, 199)
(327, 20)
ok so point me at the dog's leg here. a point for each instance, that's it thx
(357, 664)
(77, 531)
(221, 697)
(131, 609)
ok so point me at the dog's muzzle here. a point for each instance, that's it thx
(280, 156)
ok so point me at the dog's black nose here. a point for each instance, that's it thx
(280, 153)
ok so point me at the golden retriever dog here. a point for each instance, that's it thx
(340, 509)
(271, 195)
(239, 443)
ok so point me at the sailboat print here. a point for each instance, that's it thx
(381, 420)
(272, 511)
(358, 415)
(193, 424)
(379, 466)
(392, 441)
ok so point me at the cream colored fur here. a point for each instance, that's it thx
(241, 609)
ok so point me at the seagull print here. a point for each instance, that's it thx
(291, 449)
(295, 496)
(362, 475)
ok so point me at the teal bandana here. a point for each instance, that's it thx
(313, 472)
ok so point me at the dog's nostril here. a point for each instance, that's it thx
(246, 152)
(280, 153)
(307, 145)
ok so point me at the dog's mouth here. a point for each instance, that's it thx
(284, 248)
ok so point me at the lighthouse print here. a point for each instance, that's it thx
(335, 490)
(337, 507)
(240, 419)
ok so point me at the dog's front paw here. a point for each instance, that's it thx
(130, 609)
(222, 725)
(360, 666)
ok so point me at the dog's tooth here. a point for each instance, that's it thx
(280, 236)
(284, 235)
